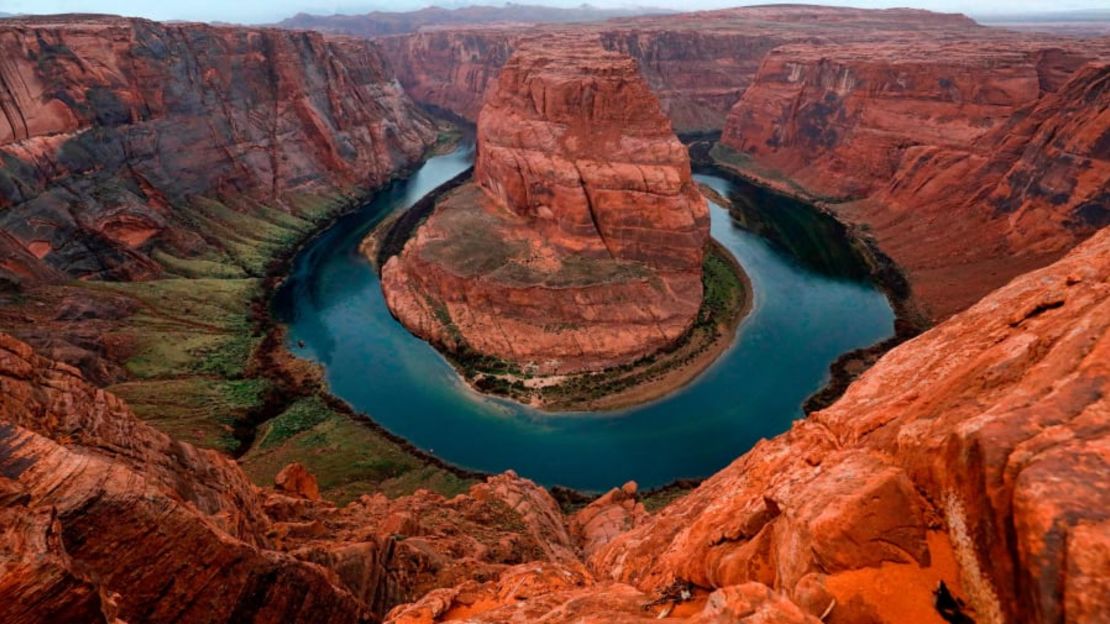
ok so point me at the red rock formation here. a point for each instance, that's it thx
(377, 23)
(296, 480)
(111, 129)
(583, 247)
(449, 70)
(918, 141)
(611, 514)
(978, 448)
(106, 516)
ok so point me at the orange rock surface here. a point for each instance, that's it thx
(579, 245)
(106, 517)
(974, 454)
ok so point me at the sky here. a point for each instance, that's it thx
(264, 11)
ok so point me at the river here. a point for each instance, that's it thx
(813, 301)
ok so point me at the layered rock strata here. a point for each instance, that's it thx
(117, 135)
(880, 112)
(579, 245)
(973, 455)
(969, 164)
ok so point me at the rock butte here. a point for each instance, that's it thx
(579, 244)
(975, 454)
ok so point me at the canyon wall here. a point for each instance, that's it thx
(580, 244)
(377, 23)
(449, 70)
(968, 162)
(974, 454)
(114, 129)
(698, 64)
(868, 110)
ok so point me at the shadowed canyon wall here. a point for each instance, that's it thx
(119, 137)
(968, 163)
(698, 64)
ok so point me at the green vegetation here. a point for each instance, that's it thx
(348, 458)
(656, 500)
(200, 411)
(202, 369)
(302, 415)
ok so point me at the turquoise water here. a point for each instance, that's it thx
(811, 305)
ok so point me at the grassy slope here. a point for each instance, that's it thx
(191, 349)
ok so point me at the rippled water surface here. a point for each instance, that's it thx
(813, 302)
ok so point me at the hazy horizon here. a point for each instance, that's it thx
(268, 11)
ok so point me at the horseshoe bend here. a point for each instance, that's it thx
(771, 314)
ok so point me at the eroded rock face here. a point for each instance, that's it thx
(116, 133)
(941, 148)
(450, 69)
(973, 454)
(106, 517)
(579, 245)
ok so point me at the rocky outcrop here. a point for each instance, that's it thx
(106, 517)
(920, 142)
(580, 244)
(449, 70)
(118, 136)
(973, 456)
(976, 451)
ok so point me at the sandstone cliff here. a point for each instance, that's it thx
(449, 70)
(113, 130)
(970, 163)
(580, 245)
(376, 23)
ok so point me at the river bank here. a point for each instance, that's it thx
(887, 275)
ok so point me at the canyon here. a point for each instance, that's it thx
(860, 111)
(962, 470)
(579, 244)
(965, 178)
(165, 457)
